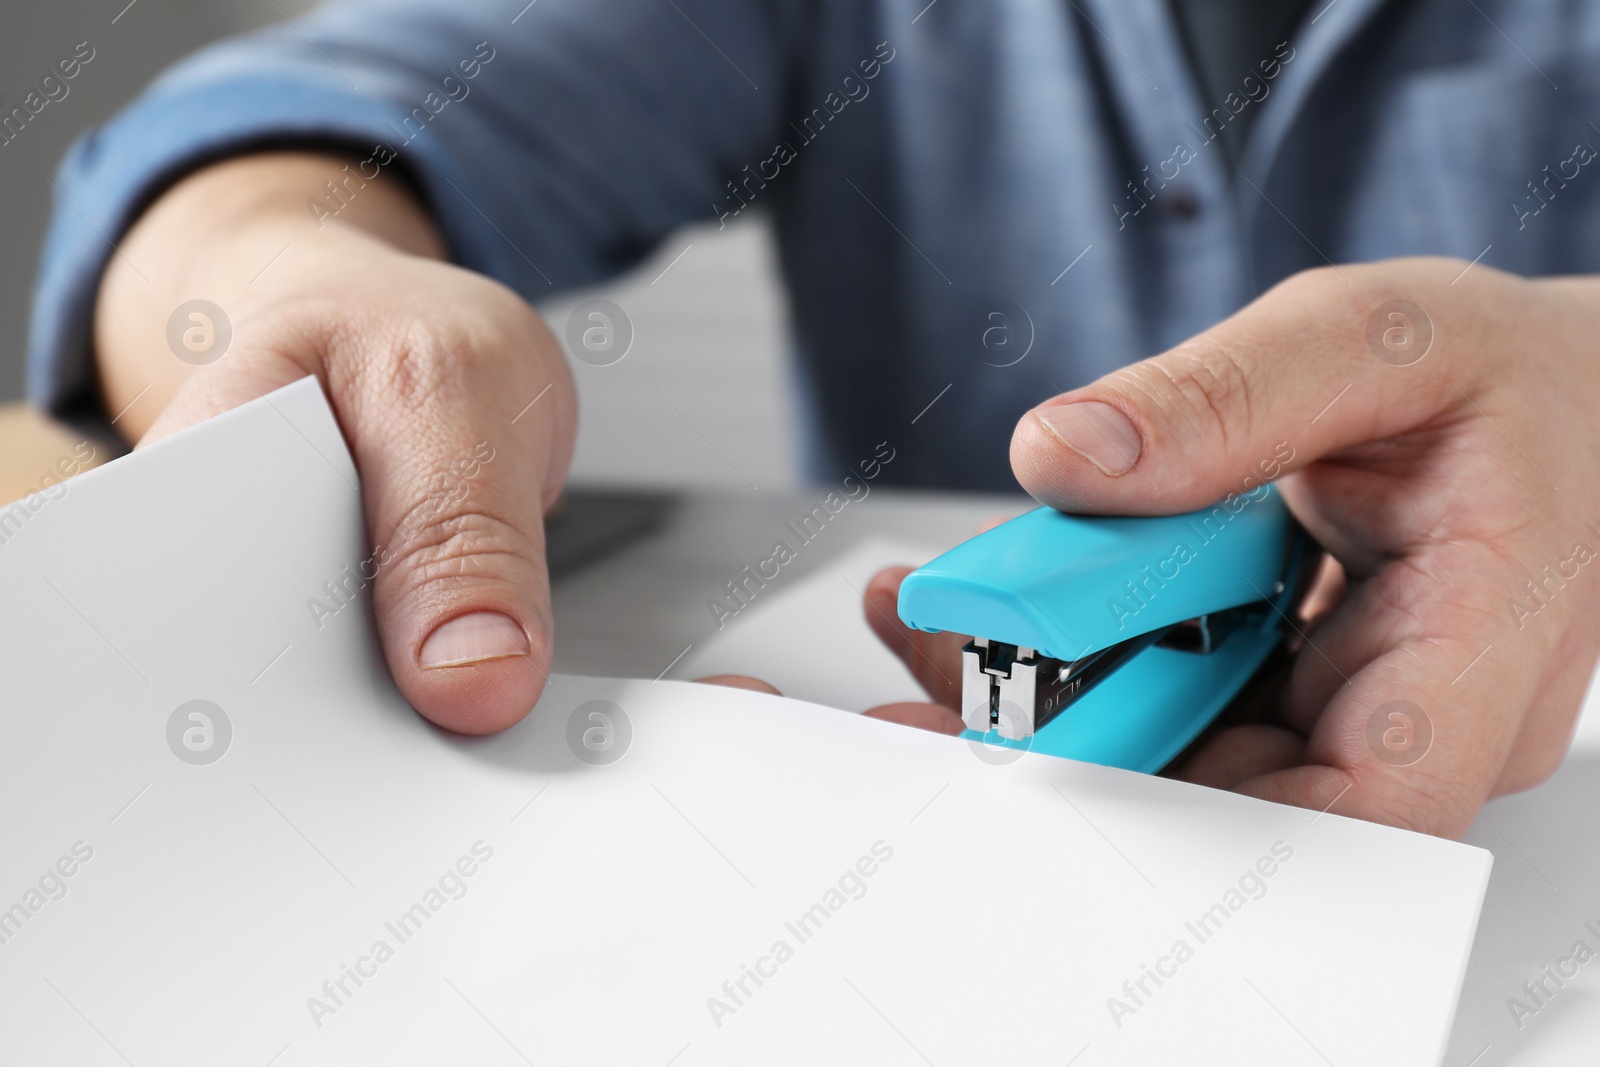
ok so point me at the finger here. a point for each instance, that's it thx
(1240, 753)
(1327, 591)
(991, 522)
(934, 717)
(1545, 738)
(740, 681)
(457, 470)
(933, 659)
(1398, 740)
(454, 485)
(1364, 626)
(1289, 379)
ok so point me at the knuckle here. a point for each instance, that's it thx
(1314, 282)
(418, 362)
(1330, 293)
(440, 543)
(430, 350)
(1203, 388)
(464, 349)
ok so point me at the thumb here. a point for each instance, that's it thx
(1318, 364)
(459, 456)
(458, 467)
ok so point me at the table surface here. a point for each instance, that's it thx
(633, 613)
(30, 447)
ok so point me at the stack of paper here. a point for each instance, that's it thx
(228, 840)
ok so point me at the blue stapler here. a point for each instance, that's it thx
(1114, 640)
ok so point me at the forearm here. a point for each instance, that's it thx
(235, 234)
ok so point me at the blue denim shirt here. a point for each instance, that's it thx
(978, 202)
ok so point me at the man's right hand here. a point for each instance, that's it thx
(455, 399)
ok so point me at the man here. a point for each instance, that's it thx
(1111, 178)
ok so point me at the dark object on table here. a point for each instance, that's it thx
(589, 524)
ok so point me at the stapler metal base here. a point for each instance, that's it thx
(1141, 717)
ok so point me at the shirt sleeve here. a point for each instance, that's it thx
(555, 144)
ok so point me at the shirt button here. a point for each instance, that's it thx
(1181, 204)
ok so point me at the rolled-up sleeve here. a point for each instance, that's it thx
(555, 144)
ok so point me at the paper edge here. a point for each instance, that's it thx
(322, 411)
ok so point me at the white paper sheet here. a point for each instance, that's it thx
(1541, 914)
(901, 900)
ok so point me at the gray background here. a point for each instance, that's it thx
(708, 332)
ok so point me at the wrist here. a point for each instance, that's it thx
(242, 235)
(220, 227)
